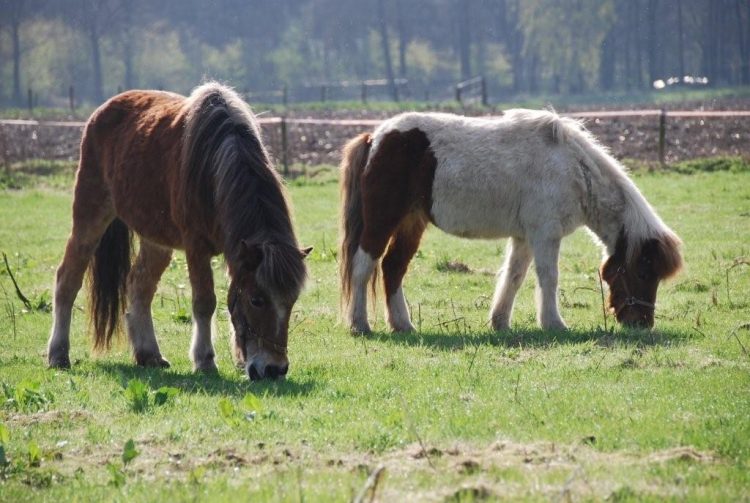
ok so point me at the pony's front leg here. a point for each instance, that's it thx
(204, 305)
(546, 254)
(518, 256)
(362, 269)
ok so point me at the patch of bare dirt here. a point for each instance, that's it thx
(458, 471)
(314, 143)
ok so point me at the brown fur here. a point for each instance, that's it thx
(181, 173)
(385, 205)
(638, 278)
(351, 224)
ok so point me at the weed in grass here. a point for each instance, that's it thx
(117, 475)
(129, 452)
(139, 399)
(34, 454)
(136, 393)
(235, 416)
(4, 439)
(26, 396)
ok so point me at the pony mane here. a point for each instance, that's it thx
(228, 178)
(640, 222)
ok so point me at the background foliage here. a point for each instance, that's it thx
(522, 46)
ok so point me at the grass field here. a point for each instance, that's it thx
(453, 412)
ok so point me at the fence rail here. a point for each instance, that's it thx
(280, 127)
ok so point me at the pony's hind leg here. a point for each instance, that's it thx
(92, 214)
(546, 254)
(204, 305)
(362, 269)
(150, 264)
(403, 246)
(518, 256)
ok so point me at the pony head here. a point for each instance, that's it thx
(263, 289)
(633, 273)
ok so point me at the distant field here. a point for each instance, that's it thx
(454, 412)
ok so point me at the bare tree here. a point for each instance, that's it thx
(464, 37)
(14, 13)
(383, 28)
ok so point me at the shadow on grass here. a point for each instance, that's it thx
(446, 340)
(236, 385)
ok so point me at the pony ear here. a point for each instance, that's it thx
(306, 251)
(253, 254)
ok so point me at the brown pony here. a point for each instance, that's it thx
(193, 174)
(529, 175)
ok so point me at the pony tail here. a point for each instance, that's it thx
(353, 163)
(108, 273)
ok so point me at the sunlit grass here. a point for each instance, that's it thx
(454, 410)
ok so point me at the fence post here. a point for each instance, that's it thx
(72, 98)
(662, 136)
(323, 93)
(284, 96)
(483, 84)
(284, 146)
(458, 93)
(364, 92)
(31, 100)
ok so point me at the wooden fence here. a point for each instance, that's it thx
(314, 141)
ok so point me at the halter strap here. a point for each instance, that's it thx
(263, 342)
(630, 300)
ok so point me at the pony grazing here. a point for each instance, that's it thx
(529, 175)
(189, 173)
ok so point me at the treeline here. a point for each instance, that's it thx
(520, 46)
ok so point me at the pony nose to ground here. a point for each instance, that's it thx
(638, 321)
(269, 372)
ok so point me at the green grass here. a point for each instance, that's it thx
(453, 412)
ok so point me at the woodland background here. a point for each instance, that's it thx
(522, 47)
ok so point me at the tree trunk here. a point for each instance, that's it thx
(386, 50)
(464, 40)
(607, 64)
(680, 41)
(96, 61)
(16, 63)
(127, 50)
(403, 41)
(653, 73)
(744, 63)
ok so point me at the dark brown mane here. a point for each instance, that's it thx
(229, 172)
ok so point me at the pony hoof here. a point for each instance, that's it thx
(556, 327)
(207, 367)
(361, 330)
(59, 362)
(154, 361)
(405, 329)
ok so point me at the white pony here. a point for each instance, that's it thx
(529, 175)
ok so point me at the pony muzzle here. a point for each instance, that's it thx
(265, 366)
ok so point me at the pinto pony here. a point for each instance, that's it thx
(189, 173)
(532, 176)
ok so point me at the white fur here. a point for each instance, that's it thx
(534, 176)
(364, 265)
(397, 312)
(201, 346)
